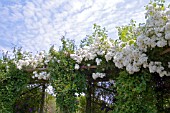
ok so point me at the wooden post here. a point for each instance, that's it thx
(42, 99)
(93, 93)
(88, 97)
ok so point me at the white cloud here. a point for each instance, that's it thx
(37, 24)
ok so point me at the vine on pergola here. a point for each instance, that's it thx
(138, 62)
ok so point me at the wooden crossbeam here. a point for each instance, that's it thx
(165, 51)
(36, 69)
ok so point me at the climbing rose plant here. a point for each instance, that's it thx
(140, 53)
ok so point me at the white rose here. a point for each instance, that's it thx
(76, 67)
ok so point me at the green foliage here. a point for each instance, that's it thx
(50, 105)
(29, 101)
(98, 32)
(67, 45)
(127, 32)
(82, 106)
(135, 93)
(65, 80)
(12, 83)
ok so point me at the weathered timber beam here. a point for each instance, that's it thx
(88, 67)
(165, 51)
(39, 69)
(44, 69)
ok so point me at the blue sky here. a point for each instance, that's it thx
(35, 25)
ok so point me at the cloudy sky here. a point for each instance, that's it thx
(35, 25)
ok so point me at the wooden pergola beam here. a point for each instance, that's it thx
(44, 69)
(165, 51)
(88, 67)
(36, 69)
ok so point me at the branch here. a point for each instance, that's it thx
(105, 89)
(37, 81)
(30, 90)
(166, 51)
